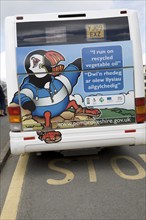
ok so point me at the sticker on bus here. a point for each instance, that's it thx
(73, 86)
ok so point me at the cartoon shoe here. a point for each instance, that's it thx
(50, 136)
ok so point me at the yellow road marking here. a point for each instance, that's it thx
(69, 175)
(141, 172)
(143, 156)
(91, 167)
(9, 211)
(92, 172)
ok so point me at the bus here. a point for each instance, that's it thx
(144, 68)
(75, 81)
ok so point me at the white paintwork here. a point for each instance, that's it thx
(81, 137)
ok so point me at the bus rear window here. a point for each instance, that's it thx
(72, 31)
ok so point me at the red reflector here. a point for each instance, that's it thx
(14, 110)
(129, 131)
(140, 101)
(28, 138)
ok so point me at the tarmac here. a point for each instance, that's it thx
(4, 141)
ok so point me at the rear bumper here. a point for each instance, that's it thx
(133, 134)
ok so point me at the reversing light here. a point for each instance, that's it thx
(15, 127)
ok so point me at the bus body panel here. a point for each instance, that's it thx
(94, 125)
(81, 138)
(137, 55)
(11, 66)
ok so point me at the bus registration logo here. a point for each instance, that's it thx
(95, 31)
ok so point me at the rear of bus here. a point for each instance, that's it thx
(75, 81)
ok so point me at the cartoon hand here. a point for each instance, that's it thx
(29, 105)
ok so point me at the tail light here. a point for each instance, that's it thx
(140, 110)
(14, 118)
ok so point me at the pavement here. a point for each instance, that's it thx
(4, 140)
